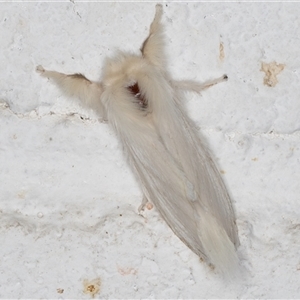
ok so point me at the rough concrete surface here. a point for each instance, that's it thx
(69, 226)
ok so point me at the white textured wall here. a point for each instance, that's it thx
(68, 200)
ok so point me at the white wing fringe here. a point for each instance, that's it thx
(216, 243)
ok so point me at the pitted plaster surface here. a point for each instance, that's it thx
(68, 201)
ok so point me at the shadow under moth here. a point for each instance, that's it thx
(145, 107)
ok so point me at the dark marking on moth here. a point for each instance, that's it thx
(143, 45)
(79, 76)
(135, 90)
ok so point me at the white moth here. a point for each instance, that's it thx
(144, 105)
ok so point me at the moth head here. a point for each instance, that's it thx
(123, 68)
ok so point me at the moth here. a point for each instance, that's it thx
(145, 107)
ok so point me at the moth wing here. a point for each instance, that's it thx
(174, 168)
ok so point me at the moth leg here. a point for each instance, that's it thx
(143, 204)
(153, 47)
(77, 85)
(197, 87)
